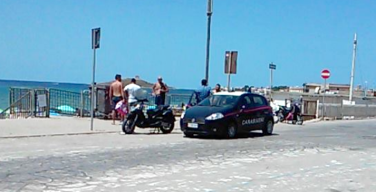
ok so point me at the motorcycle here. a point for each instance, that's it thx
(275, 117)
(193, 100)
(161, 117)
(283, 115)
(275, 109)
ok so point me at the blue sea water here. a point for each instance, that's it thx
(6, 84)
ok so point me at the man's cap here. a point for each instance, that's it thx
(159, 77)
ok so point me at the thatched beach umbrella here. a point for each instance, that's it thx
(140, 82)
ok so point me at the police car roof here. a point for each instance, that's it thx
(236, 93)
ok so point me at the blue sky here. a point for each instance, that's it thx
(50, 40)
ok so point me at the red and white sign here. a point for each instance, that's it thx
(325, 74)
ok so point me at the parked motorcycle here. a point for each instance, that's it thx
(283, 114)
(275, 117)
(193, 100)
(161, 117)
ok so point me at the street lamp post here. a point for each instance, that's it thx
(209, 14)
(366, 89)
(353, 69)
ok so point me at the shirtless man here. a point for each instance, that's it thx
(116, 95)
(159, 91)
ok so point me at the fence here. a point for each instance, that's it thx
(174, 100)
(26, 102)
(69, 103)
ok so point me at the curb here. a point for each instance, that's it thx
(57, 134)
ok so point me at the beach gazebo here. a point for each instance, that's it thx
(103, 98)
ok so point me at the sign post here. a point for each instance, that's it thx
(271, 67)
(325, 74)
(230, 65)
(95, 39)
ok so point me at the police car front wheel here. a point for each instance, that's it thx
(230, 131)
(268, 127)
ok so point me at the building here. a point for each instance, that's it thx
(296, 89)
(343, 89)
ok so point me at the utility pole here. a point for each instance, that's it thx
(209, 14)
(353, 70)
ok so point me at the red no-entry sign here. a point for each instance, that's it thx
(325, 74)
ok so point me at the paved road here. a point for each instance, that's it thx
(325, 156)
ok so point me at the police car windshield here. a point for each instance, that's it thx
(219, 100)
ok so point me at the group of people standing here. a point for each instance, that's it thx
(205, 90)
(125, 97)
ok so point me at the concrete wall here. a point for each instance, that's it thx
(364, 107)
(341, 111)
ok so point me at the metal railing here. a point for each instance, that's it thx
(69, 103)
(174, 100)
(27, 102)
(20, 108)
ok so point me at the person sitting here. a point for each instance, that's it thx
(217, 88)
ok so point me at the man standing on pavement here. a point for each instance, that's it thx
(130, 93)
(159, 91)
(204, 91)
(116, 95)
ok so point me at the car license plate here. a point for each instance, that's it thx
(193, 125)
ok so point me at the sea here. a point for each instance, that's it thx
(180, 95)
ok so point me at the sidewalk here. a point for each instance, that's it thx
(36, 127)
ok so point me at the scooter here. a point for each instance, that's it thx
(283, 114)
(162, 117)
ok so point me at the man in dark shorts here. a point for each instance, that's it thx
(160, 89)
(116, 95)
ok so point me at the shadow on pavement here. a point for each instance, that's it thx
(240, 136)
(154, 133)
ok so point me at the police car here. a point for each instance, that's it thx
(227, 114)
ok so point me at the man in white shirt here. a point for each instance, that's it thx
(130, 91)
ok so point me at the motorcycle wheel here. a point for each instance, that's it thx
(281, 117)
(300, 120)
(275, 119)
(167, 127)
(129, 126)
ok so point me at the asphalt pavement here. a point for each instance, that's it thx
(324, 156)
